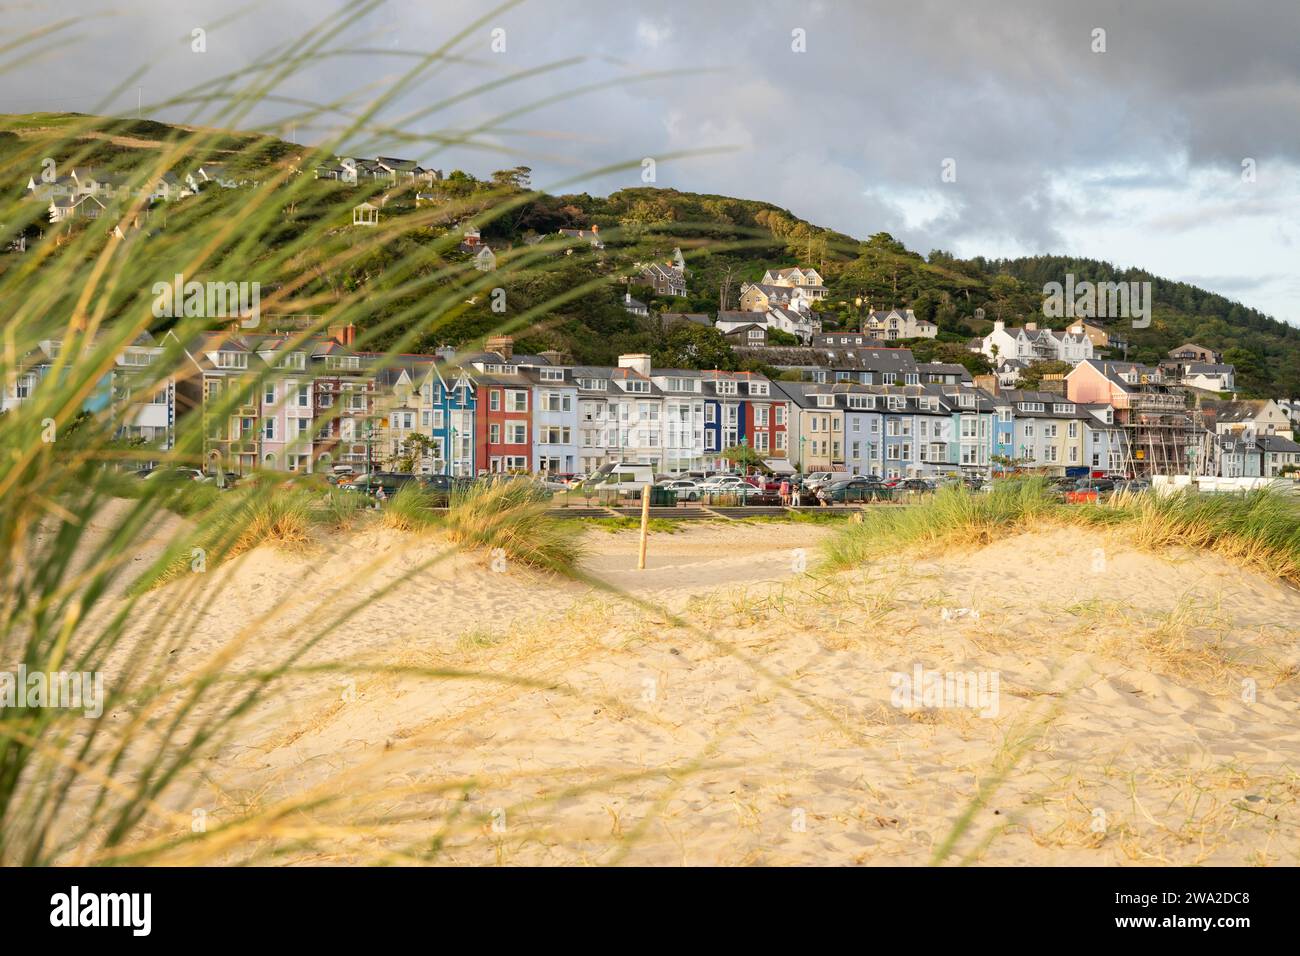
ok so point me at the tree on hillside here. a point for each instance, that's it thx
(688, 345)
(1032, 377)
(518, 178)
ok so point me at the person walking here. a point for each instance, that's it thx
(785, 492)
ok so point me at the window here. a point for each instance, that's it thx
(758, 388)
(268, 429)
(726, 388)
(552, 374)
(1073, 430)
(636, 385)
(760, 416)
(494, 400)
(516, 433)
(516, 400)
(494, 433)
(780, 414)
(268, 395)
(825, 401)
(232, 360)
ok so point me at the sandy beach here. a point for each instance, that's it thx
(733, 704)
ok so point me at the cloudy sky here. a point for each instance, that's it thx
(843, 111)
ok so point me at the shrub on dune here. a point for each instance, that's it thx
(411, 509)
(513, 516)
(1261, 528)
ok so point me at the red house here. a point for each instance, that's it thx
(503, 424)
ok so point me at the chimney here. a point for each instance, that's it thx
(998, 325)
(554, 356)
(638, 362)
(444, 352)
(987, 382)
(502, 344)
(627, 297)
(343, 334)
(1031, 326)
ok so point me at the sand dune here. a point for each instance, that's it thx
(733, 709)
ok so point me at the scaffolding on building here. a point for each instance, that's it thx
(1162, 436)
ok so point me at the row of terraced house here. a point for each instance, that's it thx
(291, 402)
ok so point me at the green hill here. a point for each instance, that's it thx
(572, 297)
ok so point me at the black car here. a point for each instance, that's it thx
(852, 489)
(915, 485)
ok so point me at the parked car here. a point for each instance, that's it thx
(1136, 486)
(1094, 484)
(851, 490)
(916, 486)
(719, 484)
(819, 478)
(173, 475)
(685, 489)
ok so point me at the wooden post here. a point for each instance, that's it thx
(645, 525)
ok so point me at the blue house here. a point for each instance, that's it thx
(448, 402)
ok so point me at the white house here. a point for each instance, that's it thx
(1213, 378)
(1032, 344)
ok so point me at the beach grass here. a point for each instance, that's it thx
(1259, 529)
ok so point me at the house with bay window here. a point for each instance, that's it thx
(555, 419)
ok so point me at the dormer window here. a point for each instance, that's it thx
(232, 360)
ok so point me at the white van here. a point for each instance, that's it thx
(623, 477)
(819, 478)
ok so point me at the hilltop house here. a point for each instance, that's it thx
(808, 280)
(1032, 344)
(664, 279)
(592, 236)
(760, 297)
(896, 324)
(1210, 377)
(803, 325)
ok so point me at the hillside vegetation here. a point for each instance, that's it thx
(726, 241)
